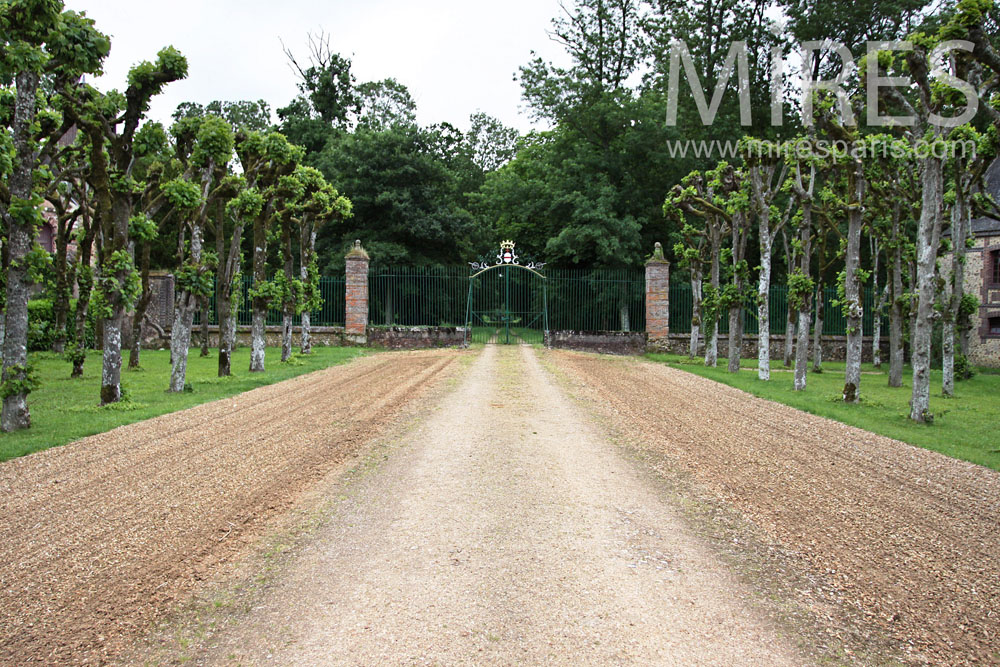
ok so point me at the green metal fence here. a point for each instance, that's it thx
(417, 295)
(597, 300)
(331, 313)
(834, 322)
(578, 299)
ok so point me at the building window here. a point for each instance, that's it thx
(994, 326)
(995, 266)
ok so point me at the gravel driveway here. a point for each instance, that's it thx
(526, 507)
(507, 531)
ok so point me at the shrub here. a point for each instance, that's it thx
(963, 369)
(42, 328)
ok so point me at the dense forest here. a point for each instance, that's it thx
(234, 188)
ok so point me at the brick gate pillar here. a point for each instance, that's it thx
(356, 288)
(657, 299)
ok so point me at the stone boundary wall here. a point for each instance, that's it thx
(415, 338)
(834, 347)
(392, 338)
(606, 342)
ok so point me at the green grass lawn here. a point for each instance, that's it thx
(965, 427)
(65, 409)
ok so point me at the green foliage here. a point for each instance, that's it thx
(963, 369)
(182, 194)
(118, 282)
(214, 142)
(20, 379)
(247, 205)
(142, 228)
(195, 279)
(800, 288)
(149, 78)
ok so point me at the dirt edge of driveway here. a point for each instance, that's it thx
(800, 603)
(228, 597)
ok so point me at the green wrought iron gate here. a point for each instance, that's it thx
(508, 301)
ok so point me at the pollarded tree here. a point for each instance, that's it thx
(265, 159)
(319, 204)
(41, 43)
(805, 175)
(968, 172)
(288, 288)
(703, 197)
(934, 107)
(203, 186)
(242, 209)
(767, 170)
(152, 167)
(894, 205)
(111, 121)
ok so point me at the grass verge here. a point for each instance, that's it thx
(965, 427)
(65, 409)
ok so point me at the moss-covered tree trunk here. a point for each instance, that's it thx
(185, 306)
(141, 306)
(307, 251)
(852, 288)
(22, 220)
(954, 282)
(205, 312)
(712, 331)
(928, 239)
(258, 322)
(696, 314)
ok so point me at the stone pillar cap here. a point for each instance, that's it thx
(657, 257)
(357, 252)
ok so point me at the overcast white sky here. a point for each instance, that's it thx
(456, 56)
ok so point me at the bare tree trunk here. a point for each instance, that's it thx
(85, 285)
(180, 333)
(873, 244)
(307, 244)
(955, 285)
(712, 340)
(224, 306)
(226, 283)
(790, 336)
(111, 367)
(286, 335)
(140, 309)
(818, 332)
(693, 345)
(928, 237)
(877, 326)
(764, 306)
(60, 306)
(852, 290)
(802, 344)
(735, 339)
(203, 302)
(20, 238)
(257, 325)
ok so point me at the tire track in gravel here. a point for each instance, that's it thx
(907, 536)
(99, 537)
(506, 530)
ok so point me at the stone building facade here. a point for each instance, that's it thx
(982, 279)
